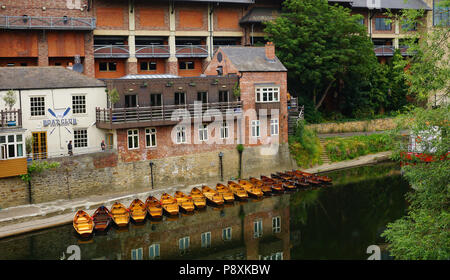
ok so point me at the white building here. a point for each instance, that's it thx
(57, 105)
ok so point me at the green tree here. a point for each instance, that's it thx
(10, 99)
(319, 44)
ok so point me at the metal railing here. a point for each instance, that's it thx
(152, 51)
(383, 50)
(163, 113)
(65, 153)
(10, 118)
(109, 51)
(191, 51)
(58, 23)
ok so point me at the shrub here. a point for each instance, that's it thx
(305, 146)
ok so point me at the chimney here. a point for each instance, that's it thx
(270, 51)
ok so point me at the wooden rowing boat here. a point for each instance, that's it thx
(198, 198)
(138, 211)
(154, 207)
(250, 188)
(120, 214)
(83, 223)
(226, 193)
(102, 218)
(185, 202)
(212, 196)
(169, 204)
(238, 190)
(322, 179)
(274, 186)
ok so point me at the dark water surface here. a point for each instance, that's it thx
(337, 222)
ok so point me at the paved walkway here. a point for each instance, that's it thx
(26, 218)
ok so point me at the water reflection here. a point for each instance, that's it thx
(337, 222)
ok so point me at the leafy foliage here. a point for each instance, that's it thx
(10, 98)
(305, 146)
(37, 167)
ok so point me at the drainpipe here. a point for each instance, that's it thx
(221, 166)
(151, 171)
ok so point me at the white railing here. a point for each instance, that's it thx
(108, 51)
(65, 153)
(191, 51)
(152, 51)
(32, 22)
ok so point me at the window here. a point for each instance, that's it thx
(11, 146)
(133, 139)
(276, 224)
(183, 244)
(255, 128)
(226, 234)
(223, 96)
(203, 132)
(148, 66)
(153, 251)
(107, 66)
(79, 104)
(257, 228)
(156, 99)
(37, 106)
(80, 138)
(136, 254)
(224, 130)
(274, 127)
(274, 256)
(150, 137)
(202, 96)
(206, 240)
(187, 65)
(382, 24)
(441, 15)
(361, 21)
(409, 26)
(267, 94)
(130, 100)
(181, 134)
(180, 98)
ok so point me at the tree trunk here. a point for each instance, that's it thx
(324, 94)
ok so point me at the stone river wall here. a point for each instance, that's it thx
(102, 173)
(354, 126)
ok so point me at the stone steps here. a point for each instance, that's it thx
(323, 155)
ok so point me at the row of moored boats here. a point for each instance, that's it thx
(279, 182)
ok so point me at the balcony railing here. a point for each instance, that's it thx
(159, 115)
(54, 23)
(152, 51)
(111, 51)
(10, 118)
(191, 51)
(389, 50)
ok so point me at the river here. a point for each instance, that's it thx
(335, 222)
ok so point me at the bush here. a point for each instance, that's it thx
(305, 146)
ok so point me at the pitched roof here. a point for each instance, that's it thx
(49, 77)
(260, 14)
(392, 4)
(252, 59)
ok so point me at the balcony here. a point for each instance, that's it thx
(381, 50)
(10, 119)
(144, 51)
(111, 51)
(191, 51)
(123, 118)
(50, 23)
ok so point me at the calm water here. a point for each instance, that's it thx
(337, 222)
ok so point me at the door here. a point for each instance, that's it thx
(109, 141)
(39, 145)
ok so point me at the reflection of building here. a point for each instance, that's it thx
(228, 233)
(55, 105)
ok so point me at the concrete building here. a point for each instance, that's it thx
(55, 105)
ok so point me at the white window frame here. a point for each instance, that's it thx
(256, 128)
(75, 132)
(183, 244)
(224, 130)
(203, 132)
(257, 228)
(132, 136)
(227, 233)
(81, 104)
(4, 146)
(155, 248)
(274, 127)
(149, 132)
(206, 239)
(276, 224)
(181, 134)
(137, 254)
(41, 112)
(272, 94)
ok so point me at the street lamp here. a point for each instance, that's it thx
(221, 166)
(151, 171)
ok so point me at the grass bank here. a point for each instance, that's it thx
(305, 146)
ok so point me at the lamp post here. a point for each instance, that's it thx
(221, 166)
(151, 171)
